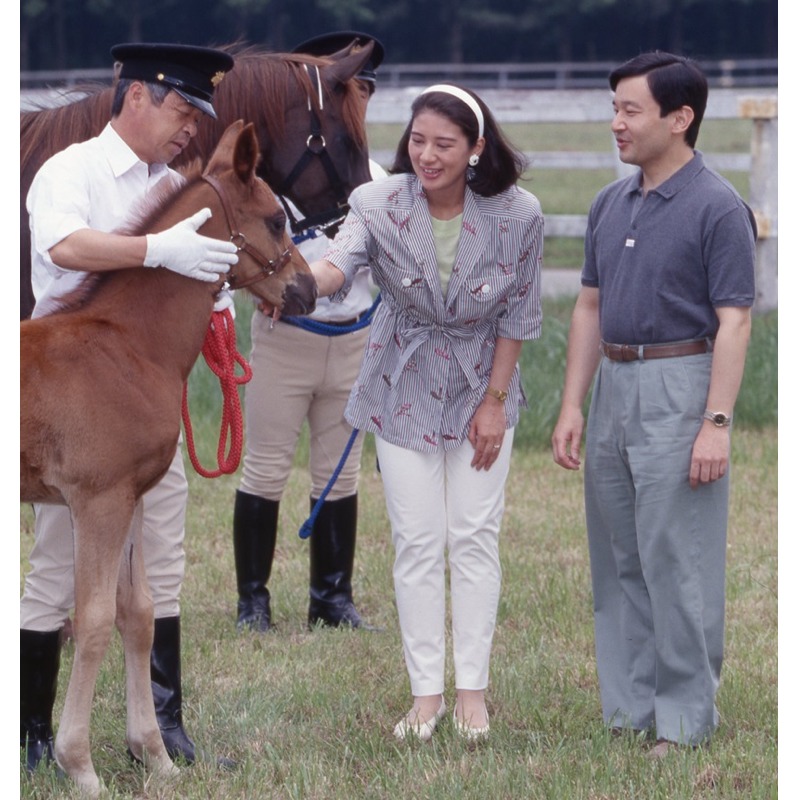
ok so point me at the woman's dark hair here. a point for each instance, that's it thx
(674, 81)
(158, 92)
(501, 165)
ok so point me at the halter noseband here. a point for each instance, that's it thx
(268, 266)
(316, 147)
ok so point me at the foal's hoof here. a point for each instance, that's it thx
(90, 786)
(160, 764)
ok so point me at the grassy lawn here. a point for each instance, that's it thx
(309, 714)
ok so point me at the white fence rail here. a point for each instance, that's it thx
(729, 72)
(391, 105)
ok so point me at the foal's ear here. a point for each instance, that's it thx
(223, 156)
(246, 154)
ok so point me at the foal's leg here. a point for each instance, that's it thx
(101, 525)
(135, 623)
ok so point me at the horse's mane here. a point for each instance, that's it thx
(256, 89)
(140, 221)
(45, 131)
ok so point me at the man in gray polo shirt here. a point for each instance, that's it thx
(664, 308)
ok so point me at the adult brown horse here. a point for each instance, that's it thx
(309, 116)
(101, 388)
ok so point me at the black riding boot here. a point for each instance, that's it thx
(255, 529)
(332, 550)
(39, 657)
(165, 678)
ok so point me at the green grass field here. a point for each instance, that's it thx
(309, 715)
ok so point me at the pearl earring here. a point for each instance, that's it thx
(473, 160)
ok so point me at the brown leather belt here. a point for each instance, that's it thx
(639, 352)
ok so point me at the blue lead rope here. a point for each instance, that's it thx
(322, 328)
(308, 526)
(315, 326)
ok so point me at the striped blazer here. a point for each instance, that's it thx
(429, 357)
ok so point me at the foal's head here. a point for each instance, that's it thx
(246, 211)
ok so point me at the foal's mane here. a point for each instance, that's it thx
(166, 192)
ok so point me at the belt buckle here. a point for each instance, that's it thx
(629, 352)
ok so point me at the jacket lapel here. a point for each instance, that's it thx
(418, 237)
(472, 243)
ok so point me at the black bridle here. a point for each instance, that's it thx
(316, 148)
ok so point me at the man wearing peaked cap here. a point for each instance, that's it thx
(78, 200)
(193, 72)
(329, 43)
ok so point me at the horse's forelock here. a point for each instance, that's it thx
(261, 86)
(352, 112)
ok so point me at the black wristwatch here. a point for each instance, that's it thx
(720, 419)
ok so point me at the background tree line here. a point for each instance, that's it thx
(72, 34)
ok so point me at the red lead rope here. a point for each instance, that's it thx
(219, 350)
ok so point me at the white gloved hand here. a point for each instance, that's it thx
(224, 300)
(182, 249)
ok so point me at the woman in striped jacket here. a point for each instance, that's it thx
(455, 246)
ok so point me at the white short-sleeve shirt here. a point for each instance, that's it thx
(95, 184)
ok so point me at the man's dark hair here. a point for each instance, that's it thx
(674, 81)
(157, 91)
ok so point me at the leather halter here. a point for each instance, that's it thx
(316, 147)
(268, 266)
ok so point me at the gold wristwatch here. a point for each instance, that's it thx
(499, 394)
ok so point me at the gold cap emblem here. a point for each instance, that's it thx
(216, 79)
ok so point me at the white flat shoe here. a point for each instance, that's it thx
(468, 732)
(422, 730)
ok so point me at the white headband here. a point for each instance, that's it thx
(465, 97)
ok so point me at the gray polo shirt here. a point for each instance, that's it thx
(664, 262)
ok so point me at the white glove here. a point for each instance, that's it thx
(224, 301)
(182, 249)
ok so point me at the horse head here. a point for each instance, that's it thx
(310, 122)
(269, 266)
(310, 118)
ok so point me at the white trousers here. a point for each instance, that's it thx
(437, 503)
(49, 593)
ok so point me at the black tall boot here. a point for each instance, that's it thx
(165, 678)
(332, 550)
(255, 529)
(39, 658)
